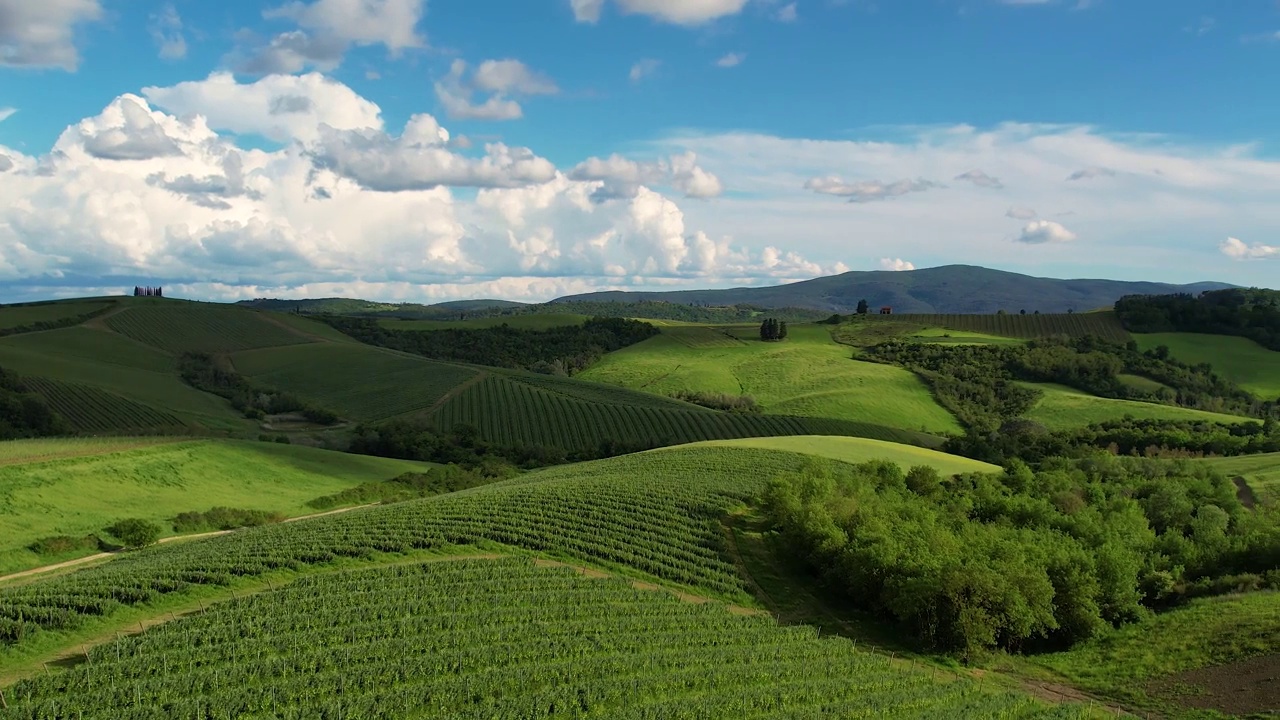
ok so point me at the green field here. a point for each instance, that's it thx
(1101, 324)
(12, 316)
(179, 326)
(808, 374)
(505, 638)
(1237, 359)
(1261, 472)
(959, 337)
(1062, 408)
(83, 493)
(527, 321)
(856, 450)
(90, 409)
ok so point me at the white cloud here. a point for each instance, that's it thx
(1045, 231)
(1092, 172)
(895, 264)
(981, 179)
(676, 12)
(1019, 212)
(286, 53)
(6, 113)
(624, 178)
(867, 190)
(643, 69)
(732, 59)
(1237, 249)
(166, 30)
(392, 23)
(786, 13)
(40, 33)
(500, 78)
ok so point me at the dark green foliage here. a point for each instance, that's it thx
(24, 414)
(1023, 560)
(436, 481)
(135, 532)
(862, 307)
(64, 544)
(203, 372)
(223, 518)
(1252, 313)
(773, 329)
(719, 401)
(43, 325)
(976, 382)
(562, 350)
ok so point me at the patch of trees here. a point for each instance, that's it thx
(978, 382)
(1252, 313)
(461, 445)
(1022, 560)
(719, 401)
(224, 518)
(23, 414)
(203, 371)
(66, 544)
(562, 350)
(409, 486)
(773, 329)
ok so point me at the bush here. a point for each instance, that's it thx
(135, 532)
(719, 401)
(63, 544)
(223, 518)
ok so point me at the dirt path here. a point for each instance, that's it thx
(195, 536)
(1244, 493)
(453, 393)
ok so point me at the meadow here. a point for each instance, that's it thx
(1240, 360)
(1063, 408)
(853, 450)
(1100, 324)
(14, 316)
(76, 488)
(808, 374)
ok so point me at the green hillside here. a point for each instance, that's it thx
(1062, 408)
(1260, 472)
(526, 321)
(77, 487)
(1238, 359)
(1099, 324)
(853, 450)
(808, 374)
(26, 314)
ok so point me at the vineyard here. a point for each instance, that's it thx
(1100, 324)
(90, 409)
(703, 337)
(492, 639)
(15, 316)
(178, 327)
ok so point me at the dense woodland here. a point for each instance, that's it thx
(1024, 560)
(24, 414)
(559, 351)
(1253, 313)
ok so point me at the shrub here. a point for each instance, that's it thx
(135, 532)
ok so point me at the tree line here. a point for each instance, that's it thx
(24, 414)
(1251, 313)
(773, 329)
(255, 401)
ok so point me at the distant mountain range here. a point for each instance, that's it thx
(946, 289)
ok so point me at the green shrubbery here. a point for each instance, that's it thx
(201, 371)
(408, 486)
(223, 518)
(719, 401)
(135, 532)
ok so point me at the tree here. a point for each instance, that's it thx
(135, 532)
(863, 307)
(782, 331)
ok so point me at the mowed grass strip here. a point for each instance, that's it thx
(530, 321)
(179, 326)
(1062, 408)
(359, 382)
(12, 316)
(90, 409)
(76, 496)
(857, 450)
(808, 374)
(1240, 360)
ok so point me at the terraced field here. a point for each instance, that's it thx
(1238, 359)
(1064, 407)
(90, 409)
(806, 375)
(177, 327)
(493, 638)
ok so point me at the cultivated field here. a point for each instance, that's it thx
(528, 321)
(1238, 359)
(1062, 408)
(1102, 324)
(855, 450)
(176, 327)
(808, 374)
(69, 489)
(12, 316)
(89, 409)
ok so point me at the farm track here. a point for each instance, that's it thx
(195, 536)
(453, 393)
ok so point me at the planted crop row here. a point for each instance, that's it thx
(1100, 324)
(187, 327)
(490, 639)
(702, 337)
(90, 409)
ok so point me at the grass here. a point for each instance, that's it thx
(530, 321)
(12, 316)
(1062, 408)
(80, 493)
(180, 326)
(1237, 359)
(808, 374)
(1101, 324)
(857, 450)
(959, 337)
(1261, 472)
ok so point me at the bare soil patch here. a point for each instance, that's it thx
(1238, 688)
(1244, 493)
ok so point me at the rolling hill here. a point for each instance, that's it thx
(946, 289)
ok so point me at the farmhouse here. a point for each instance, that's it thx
(886, 310)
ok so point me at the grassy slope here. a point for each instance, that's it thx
(1064, 407)
(17, 315)
(854, 450)
(535, 321)
(80, 495)
(1240, 360)
(807, 374)
(1261, 472)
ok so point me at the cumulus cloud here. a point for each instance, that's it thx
(1019, 212)
(643, 69)
(895, 264)
(1090, 173)
(867, 190)
(287, 53)
(40, 33)
(1038, 232)
(1237, 249)
(732, 59)
(676, 12)
(981, 179)
(126, 130)
(624, 178)
(500, 78)
(166, 30)
(326, 30)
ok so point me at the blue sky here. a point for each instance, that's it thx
(244, 148)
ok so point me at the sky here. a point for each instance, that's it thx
(430, 150)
